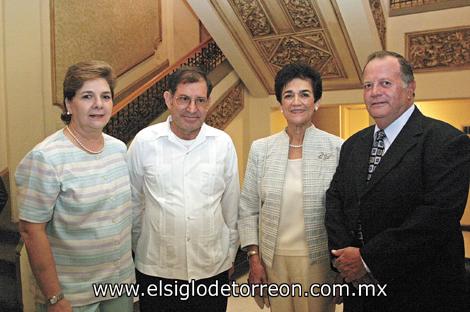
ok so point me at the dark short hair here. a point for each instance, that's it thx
(298, 70)
(406, 69)
(188, 74)
(76, 76)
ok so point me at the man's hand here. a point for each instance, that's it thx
(231, 271)
(349, 263)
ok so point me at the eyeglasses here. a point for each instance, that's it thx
(304, 96)
(184, 100)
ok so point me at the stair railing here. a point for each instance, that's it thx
(138, 109)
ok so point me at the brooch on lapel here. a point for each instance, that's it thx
(324, 156)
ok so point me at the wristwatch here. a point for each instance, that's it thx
(56, 298)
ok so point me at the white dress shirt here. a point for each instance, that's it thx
(184, 202)
(393, 129)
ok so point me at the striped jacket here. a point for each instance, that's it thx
(261, 196)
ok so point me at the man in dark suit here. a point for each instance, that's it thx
(394, 205)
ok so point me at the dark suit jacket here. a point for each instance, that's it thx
(409, 214)
(3, 195)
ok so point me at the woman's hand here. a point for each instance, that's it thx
(257, 273)
(61, 306)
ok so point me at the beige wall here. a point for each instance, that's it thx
(278, 121)
(353, 119)
(3, 125)
(180, 28)
(107, 28)
(235, 130)
(455, 112)
(27, 78)
(328, 119)
(257, 116)
(341, 120)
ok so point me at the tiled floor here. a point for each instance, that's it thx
(240, 304)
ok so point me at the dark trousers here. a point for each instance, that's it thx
(162, 300)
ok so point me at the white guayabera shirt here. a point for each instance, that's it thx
(184, 202)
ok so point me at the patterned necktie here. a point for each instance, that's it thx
(376, 153)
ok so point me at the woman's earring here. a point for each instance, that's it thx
(68, 113)
(315, 108)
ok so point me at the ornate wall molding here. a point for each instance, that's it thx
(303, 39)
(310, 48)
(302, 14)
(271, 33)
(224, 111)
(438, 50)
(403, 7)
(379, 18)
(254, 17)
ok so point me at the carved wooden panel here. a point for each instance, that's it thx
(254, 17)
(397, 4)
(223, 112)
(302, 14)
(303, 39)
(403, 7)
(310, 48)
(437, 50)
(379, 19)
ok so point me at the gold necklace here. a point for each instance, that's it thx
(81, 144)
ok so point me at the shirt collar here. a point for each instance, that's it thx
(203, 133)
(393, 129)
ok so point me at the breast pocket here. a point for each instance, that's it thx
(158, 180)
(212, 181)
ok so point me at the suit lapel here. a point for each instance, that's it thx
(360, 159)
(406, 139)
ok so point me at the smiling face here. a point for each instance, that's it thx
(91, 106)
(187, 118)
(297, 102)
(385, 94)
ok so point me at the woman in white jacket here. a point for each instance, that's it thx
(282, 204)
